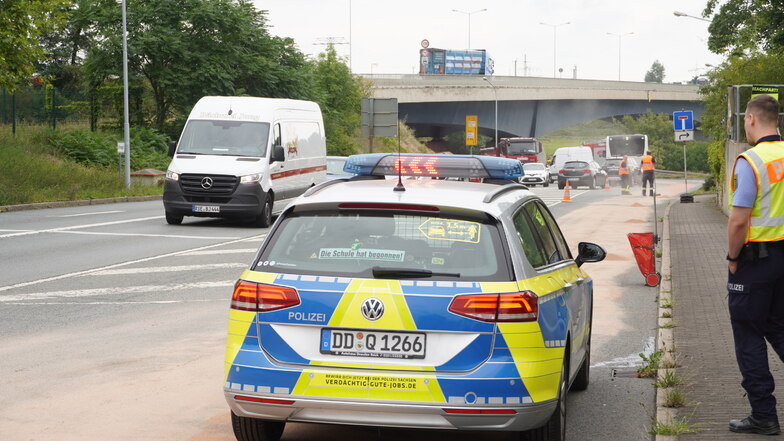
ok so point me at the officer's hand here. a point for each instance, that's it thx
(733, 266)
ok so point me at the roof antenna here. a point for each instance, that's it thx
(399, 186)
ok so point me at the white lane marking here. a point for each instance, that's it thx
(210, 253)
(114, 290)
(90, 214)
(15, 231)
(167, 269)
(117, 265)
(151, 302)
(633, 360)
(175, 236)
(75, 227)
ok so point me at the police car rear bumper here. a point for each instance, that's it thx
(389, 414)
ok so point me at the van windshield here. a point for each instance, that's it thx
(229, 138)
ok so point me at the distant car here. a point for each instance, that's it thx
(585, 173)
(335, 167)
(611, 166)
(535, 173)
(450, 305)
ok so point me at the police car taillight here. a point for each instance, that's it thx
(251, 296)
(509, 307)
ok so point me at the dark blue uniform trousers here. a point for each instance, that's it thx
(756, 306)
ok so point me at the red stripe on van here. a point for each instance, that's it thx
(299, 171)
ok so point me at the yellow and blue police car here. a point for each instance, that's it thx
(427, 303)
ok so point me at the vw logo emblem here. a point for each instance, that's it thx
(206, 183)
(372, 309)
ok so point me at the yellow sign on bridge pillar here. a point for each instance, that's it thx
(472, 129)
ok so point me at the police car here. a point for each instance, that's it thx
(426, 303)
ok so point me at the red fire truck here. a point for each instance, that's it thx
(522, 149)
(599, 149)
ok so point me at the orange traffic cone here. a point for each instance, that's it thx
(567, 197)
(606, 185)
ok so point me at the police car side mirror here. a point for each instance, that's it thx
(589, 252)
(172, 148)
(277, 154)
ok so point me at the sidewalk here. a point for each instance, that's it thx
(702, 336)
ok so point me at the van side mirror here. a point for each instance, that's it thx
(172, 148)
(277, 154)
(589, 252)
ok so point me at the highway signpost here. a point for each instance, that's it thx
(379, 118)
(683, 125)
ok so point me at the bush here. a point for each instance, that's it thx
(96, 149)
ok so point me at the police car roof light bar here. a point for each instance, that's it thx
(435, 166)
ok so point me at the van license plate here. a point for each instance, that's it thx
(375, 344)
(206, 209)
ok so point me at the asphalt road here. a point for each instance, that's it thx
(113, 324)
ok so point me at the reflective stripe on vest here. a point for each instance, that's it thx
(647, 163)
(767, 214)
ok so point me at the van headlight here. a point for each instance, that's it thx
(171, 176)
(250, 179)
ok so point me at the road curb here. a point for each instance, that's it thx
(665, 341)
(77, 203)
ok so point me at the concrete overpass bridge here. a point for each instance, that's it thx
(436, 105)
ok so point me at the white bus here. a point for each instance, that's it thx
(630, 145)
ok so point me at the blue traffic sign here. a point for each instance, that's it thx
(683, 120)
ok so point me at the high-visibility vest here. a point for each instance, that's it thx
(623, 169)
(767, 214)
(647, 163)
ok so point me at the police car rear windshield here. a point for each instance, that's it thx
(342, 244)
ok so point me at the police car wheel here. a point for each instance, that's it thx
(582, 378)
(173, 219)
(253, 429)
(555, 428)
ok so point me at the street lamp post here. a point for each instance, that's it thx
(619, 49)
(683, 14)
(554, 26)
(469, 14)
(495, 95)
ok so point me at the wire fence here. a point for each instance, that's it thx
(99, 108)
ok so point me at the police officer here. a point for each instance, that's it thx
(623, 172)
(755, 233)
(648, 168)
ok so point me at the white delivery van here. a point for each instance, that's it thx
(244, 157)
(566, 154)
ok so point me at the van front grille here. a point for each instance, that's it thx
(207, 185)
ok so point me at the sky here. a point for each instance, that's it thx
(385, 37)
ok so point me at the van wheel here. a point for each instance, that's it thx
(555, 428)
(173, 219)
(561, 186)
(547, 183)
(253, 429)
(265, 218)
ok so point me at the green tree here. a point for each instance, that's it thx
(339, 95)
(22, 22)
(741, 26)
(756, 68)
(656, 73)
(185, 49)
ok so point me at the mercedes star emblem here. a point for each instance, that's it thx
(206, 183)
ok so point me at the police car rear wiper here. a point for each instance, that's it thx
(405, 273)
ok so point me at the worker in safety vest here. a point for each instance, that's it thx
(648, 168)
(755, 235)
(623, 172)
